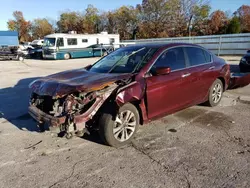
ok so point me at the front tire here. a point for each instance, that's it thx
(118, 129)
(215, 93)
(66, 56)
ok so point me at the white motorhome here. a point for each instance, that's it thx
(66, 46)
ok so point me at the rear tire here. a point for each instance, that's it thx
(117, 129)
(66, 56)
(215, 93)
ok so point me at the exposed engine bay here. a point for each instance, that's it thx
(70, 113)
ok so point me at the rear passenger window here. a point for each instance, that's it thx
(196, 56)
(207, 56)
(173, 58)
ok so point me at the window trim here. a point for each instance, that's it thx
(186, 58)
(211, 57)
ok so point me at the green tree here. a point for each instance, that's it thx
(200, 19)
(153, 21)
(163, 18)
(41, 28)
(20, 25)
(194, 13)
(91, 20)
(122, 21)
(234, 26)
(70, 21)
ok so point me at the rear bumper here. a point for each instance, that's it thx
(42, 117)
(239, 80)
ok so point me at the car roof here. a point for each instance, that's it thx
(161, 45)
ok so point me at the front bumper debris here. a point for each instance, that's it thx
(42, 117)
(69, 115)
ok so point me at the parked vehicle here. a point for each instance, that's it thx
(37, 43)
(25, 46)
(36, 53)
(100, 49)
(128, 87)
(66, 46)
(245, 62)
(9, 46)
(11, 53)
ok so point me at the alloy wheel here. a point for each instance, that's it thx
(124, 125)
(217, 93)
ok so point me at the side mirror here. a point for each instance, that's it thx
(163, 70)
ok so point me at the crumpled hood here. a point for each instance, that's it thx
(81, 80)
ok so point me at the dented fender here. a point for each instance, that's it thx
(135, 91)
(131, 92)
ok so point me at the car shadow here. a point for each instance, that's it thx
(14, 105)
(93, 137)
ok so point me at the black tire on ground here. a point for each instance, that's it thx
(211, 100)
(67, 56)
(107, 124)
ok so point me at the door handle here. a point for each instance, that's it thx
(186, 75)
(211, 68)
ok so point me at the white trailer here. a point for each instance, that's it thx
(65, 46)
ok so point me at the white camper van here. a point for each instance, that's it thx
(66, 46)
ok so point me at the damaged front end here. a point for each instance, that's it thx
(69, 113)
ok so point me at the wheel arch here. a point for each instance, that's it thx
(223, 82)
(133, 93)
(138, 107)
(70, 55)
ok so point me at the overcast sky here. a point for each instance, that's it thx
(52, 8)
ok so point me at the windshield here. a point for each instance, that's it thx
(124, 60)
(49, 42)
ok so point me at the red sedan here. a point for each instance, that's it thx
(129, 87)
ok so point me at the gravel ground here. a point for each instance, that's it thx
(197, 147)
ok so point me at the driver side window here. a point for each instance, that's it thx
(173, 58)
(60, 42)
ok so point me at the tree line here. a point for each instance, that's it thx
(150, 19)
